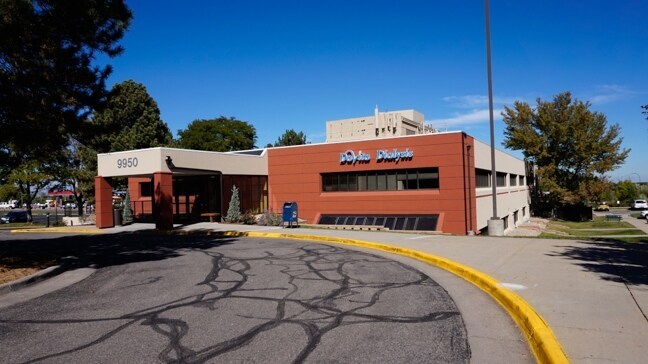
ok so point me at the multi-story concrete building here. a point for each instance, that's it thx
(380, 125)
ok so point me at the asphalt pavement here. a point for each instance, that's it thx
(198, 299)
(593, 295)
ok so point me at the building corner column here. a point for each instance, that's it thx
(163, 200)
(103, 201)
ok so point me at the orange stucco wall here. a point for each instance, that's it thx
(294, 175)
(103, 200)
(163, 200)
(140, 204)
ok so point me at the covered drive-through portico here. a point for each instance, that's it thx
(168, 185)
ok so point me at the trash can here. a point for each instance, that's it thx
(117, 217)
(290, 214)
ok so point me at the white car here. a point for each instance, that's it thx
(639, 205)
(644, 214)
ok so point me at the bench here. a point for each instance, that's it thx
(211, 215)
(610, 217)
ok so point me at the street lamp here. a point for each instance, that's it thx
(495, 224)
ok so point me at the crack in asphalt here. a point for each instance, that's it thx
(351, 296)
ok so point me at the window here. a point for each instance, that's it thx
(515, 218)
(329, 182)
(343, 181)
(391, 181)
(385, 180)
(146, 189)
(482, 178)
(371, 181)
(428, 178)
(513, 180)
(353, 182)
(382, 181)
(501, 179)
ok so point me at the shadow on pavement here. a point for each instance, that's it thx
(613, 260)
(81, 251)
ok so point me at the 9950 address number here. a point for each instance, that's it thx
(127, 162)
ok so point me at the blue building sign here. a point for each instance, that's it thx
(394, 156)
(382, 155)
(349, 157)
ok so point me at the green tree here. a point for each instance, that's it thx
(218, 135)
(571, 146)
(75, 170)
(30, 177)
(49, 83)
(627, 191)
(127, 214)
(9, 191)
(130, 120)
(290, 137)
(234, 209)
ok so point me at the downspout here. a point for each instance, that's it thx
(463, 160)
(470, 231)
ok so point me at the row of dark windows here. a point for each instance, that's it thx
(483, 178)
(390, 180)
(384, 180)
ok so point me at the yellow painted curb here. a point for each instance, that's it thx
(57, 230)
(541, 338)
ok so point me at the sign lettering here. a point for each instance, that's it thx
(127, 162)
(393, 156)
(349, 157)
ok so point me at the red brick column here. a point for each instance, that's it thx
(103, 200)
(163, 200)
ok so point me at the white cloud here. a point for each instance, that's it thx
(475, 101)
(474, 117)
(610, 93)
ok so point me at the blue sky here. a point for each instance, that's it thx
(296, 64)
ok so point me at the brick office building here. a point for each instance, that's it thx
(431, 182)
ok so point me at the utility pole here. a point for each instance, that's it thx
(495, 224)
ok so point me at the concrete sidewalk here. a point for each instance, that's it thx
(593, 295)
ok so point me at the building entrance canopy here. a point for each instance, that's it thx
(146, 162)
(167, 184)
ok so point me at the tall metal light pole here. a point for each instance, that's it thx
(495, 225)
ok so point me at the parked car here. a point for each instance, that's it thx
(644, 214)
(12, 204)
(602, 207)
(14, 216)
(639, 205)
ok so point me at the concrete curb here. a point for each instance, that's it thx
(58, 230)
(543, 342)
(36, 277)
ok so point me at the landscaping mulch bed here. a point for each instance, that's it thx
(13, 268)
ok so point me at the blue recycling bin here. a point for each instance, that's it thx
(290, 214)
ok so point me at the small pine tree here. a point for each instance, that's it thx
(127, 213)
(234, 211)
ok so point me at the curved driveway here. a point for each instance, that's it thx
(209, 299)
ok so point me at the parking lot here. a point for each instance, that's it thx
(237, 300)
